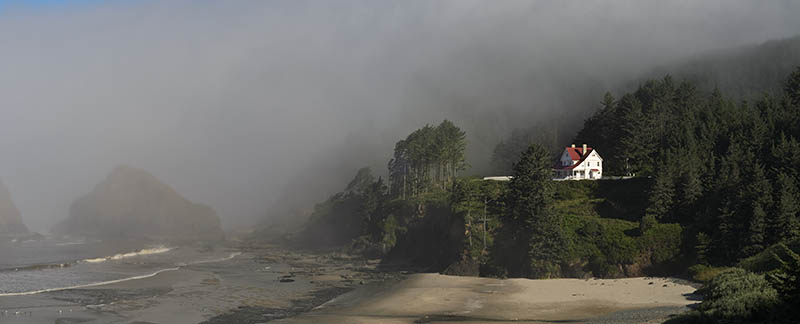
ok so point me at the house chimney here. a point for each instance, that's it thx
(584, 148)
(573, 145)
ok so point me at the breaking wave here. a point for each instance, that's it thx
(70, 243)
(120, 256)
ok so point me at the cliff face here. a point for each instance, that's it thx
(131, 203)
(10, 221)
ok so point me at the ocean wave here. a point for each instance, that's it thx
(229, 257)
(70, 243)
(120, 256)
(88, 285)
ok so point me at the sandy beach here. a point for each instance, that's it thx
(434, 298)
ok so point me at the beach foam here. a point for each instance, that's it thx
(70, 243)
(120, 256)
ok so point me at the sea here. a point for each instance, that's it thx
(53, 264)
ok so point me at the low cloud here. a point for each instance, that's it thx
(233, 102)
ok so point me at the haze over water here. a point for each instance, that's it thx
(46, 265)
(241, 105)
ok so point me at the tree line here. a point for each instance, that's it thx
(723, 187)
(429, 157)
(726, 171)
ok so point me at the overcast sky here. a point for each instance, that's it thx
(229, 101)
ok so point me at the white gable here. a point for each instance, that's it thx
(594, 155)
(590, 167)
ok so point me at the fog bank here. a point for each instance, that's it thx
(233, 102)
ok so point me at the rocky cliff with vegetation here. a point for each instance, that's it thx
(714, 194)
(10, 220)
(131, 203)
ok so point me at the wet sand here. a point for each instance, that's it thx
(434, 298)
(259, 285)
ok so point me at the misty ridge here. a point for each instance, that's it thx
(243, 106)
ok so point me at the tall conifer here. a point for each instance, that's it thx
(530, 215)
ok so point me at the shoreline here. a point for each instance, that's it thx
(273, 284)
(110, 282)
(251, 278)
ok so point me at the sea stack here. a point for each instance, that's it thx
(131, 203)
(10, 220)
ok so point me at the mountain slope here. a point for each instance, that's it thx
(744, 72)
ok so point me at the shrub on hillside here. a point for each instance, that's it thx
(662, 242)
(704, 273)
(773, 257)
(606, 247)
(780, 264)
(568, 190)
(738, 295)
(647, 222)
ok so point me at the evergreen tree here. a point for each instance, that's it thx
(758, 196)
(428, 158)
(373, 202)
(530, 218)
(785, 225)
(608, 101)
(602, 130)
(792, 87)
(634, 141)
(726, 228)
(661, 197)
(691, 189)
(786, 156)
(701, 247)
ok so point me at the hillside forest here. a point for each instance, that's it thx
(713, 194)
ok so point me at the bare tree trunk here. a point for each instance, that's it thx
(469, 226)
(405, 174)
(484, 223)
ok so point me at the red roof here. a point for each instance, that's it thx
(576, 154)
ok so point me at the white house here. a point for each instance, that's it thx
(578, 163)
